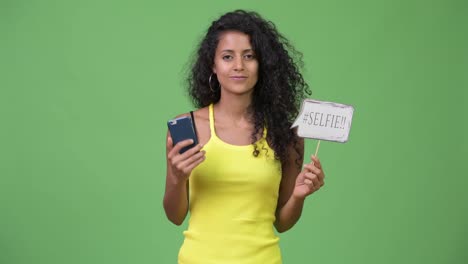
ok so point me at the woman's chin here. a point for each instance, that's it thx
(237, 90)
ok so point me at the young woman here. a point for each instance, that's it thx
(246, 175)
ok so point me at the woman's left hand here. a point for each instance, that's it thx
(310, 180)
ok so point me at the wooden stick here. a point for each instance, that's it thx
(316, 149)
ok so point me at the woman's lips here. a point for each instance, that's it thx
(238, 78)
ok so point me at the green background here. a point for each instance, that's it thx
(86, 88)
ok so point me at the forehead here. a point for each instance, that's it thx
(233, 40)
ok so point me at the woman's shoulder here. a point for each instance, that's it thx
(201, 114)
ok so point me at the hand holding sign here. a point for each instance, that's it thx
(324, 121)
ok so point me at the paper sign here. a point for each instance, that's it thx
(324, 120)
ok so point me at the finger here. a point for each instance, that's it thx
(313, 178)
(310, 185)
(321, 177)
(316, 161)
(308, 167)
(188, 161)
(169, 142)
(193, 165)
(189, 153)
(318, 165)
(184, 166)
(312, 168)
(310, 176)
(180, 145)
(317, 183)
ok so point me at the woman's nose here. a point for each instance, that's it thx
(238, 64)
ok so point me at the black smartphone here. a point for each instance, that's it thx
(183, 128)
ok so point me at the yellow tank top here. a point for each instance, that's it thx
(232, 203)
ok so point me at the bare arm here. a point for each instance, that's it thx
(295, 186)
(179, 167)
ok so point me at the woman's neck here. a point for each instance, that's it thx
(234, 107)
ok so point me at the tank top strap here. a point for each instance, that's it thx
(212, 129)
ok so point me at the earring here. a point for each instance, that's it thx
(209, 83)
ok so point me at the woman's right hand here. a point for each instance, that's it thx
(181, 165)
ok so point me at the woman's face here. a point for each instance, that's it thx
(235, 63)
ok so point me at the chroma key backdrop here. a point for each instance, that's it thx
(87, 87)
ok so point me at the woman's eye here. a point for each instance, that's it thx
(227, 57)
(249, 56)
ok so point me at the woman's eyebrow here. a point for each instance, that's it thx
(229, 50)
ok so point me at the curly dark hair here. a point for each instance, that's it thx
(280, 87)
